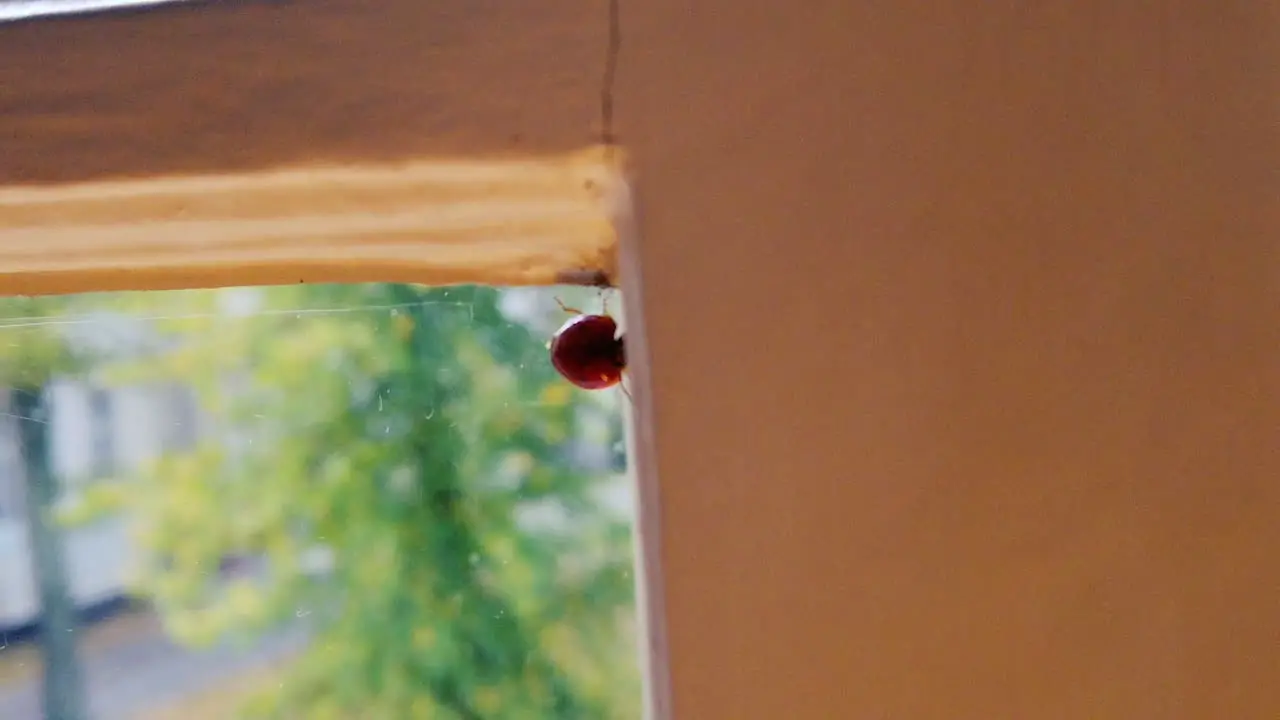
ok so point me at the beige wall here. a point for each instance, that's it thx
(964, 330)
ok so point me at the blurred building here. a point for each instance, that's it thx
(95, 433)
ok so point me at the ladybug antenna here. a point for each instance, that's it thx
(566, 308)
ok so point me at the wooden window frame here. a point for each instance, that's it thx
(113, 236)
(319, 201)
(532, 221)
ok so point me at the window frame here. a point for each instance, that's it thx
(512, 222)
(92, 215)
(593, 244)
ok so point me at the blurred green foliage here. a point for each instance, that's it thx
(32, 348)
(388, 460)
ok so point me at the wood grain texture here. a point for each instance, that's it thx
(239, 85)
(513, 222)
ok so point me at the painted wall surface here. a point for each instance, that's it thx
(964, 322)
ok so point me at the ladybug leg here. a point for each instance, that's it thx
(571, 311)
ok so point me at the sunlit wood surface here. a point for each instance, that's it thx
(530, 222)
(429, 142)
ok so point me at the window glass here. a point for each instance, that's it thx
(343, 501)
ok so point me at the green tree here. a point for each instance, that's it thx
(34, 351)
(408, 441)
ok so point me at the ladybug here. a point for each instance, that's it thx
(588, 350)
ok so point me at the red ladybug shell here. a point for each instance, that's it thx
(587, 351)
